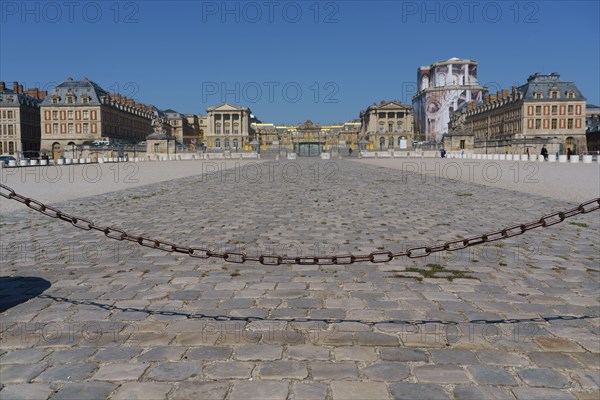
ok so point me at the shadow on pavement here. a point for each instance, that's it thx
(15, 290)
(217, 317)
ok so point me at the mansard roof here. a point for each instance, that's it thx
(80, 89)
(8, 98)
(545, 84)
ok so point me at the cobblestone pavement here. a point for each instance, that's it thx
(87, 317)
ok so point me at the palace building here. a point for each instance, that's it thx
(228, 127)
(443, 87)
(387, 125)
(545, 111)
(20, 121)
(79, 110)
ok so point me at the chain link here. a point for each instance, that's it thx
(380, 256)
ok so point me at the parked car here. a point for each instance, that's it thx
(5, 159)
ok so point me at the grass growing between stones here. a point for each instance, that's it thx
(432, 270)
(579, 224)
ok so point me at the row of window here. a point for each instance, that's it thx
(226, 116)
(8, 114)
(8, 147)
(70, 114)
(8, 130)
(218, 131)
(390, 115)
(554, 95)
(382, 141)
(390, 127)
(70, 128)
(554, 110)
(226, 143)
(553, 123)
(71, 100)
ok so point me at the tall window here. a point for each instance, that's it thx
(226, 143)
(538, 124)
(235, 143)
(10, 130)
(570, 123)
(554, 110)
(570, 109)
(218, 143)
(390, 127)
(218, 130)
(86, 128)
(11, 147)
(70, 128)
(54, 128)
(538, 110)
(10, 114)
(554, 123)
(86, 114)
(54, 114)
(70, 114)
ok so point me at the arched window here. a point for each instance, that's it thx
(11, 148)
(226, 143)
(235, 143)
(381, 142)
(218, 143)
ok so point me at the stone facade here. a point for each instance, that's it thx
(77, 111)
(592, 130)
(388, 125)
(228, 127)
(459, 142)
(443, 87)
(19, 121)
(329, 137)
(543, 112)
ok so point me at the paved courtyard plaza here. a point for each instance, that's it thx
(85, 316)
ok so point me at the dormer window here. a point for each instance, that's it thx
(55, 100)
(70, 99)
(554, 94)
(86, 100)
(538, 95)
(570, 95)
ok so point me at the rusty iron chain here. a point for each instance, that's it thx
(380, 256)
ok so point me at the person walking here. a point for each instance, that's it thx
(544, 152)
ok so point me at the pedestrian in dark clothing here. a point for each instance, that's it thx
(544, 152)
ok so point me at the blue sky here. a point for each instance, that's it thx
(293, 60)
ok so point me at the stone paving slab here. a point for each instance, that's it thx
(87, 316)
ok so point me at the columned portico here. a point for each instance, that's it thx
(228, 127)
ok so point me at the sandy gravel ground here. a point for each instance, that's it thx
(569, 182)
(54, 184)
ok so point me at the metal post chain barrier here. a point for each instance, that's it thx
(380, 256)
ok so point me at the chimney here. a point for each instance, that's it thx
(20, 88)
(15, 86)
(2, 86)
